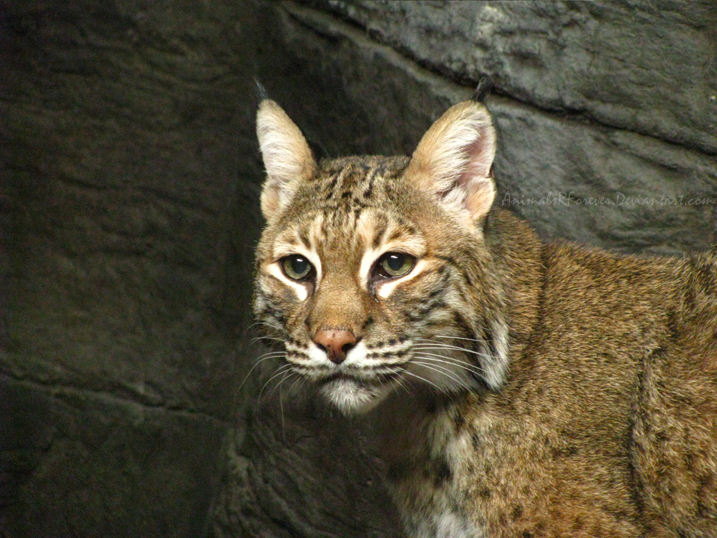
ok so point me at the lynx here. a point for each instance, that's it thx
(518, 388)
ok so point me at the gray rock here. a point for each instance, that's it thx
(73, 463)
(609, 188)
(639, 65)
(126, 149)
(298, 471)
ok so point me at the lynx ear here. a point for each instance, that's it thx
(453, 160)
(287, 156)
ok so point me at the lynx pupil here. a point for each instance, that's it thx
(296, 267)
(395, 264)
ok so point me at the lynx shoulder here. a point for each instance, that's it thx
(517, 388)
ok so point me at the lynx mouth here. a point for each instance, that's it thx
(343, 376)
(352, 395)
(360, 378)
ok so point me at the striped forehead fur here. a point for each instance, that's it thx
(357, 179)
(370, 229)
(381, 231)
(341, 191)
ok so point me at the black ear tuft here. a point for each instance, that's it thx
(485, 85)
(261, 93)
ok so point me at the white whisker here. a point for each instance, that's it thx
(448, 360)
(439, 389)
(258, 338)
(277, 327)
(278, 372)
(438, 345)
(298, 378)
(402, 383)
(442, 370)
(270, 354)
(287, 374)
(262, 358)
(482, 340)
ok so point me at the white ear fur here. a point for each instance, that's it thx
(287, 156)
(453, 160)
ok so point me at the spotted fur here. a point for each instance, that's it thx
(517, 389)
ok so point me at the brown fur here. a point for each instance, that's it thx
(604, 422)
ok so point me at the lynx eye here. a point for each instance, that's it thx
(296, 267)
(394, 264)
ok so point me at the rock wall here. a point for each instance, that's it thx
(129, 180)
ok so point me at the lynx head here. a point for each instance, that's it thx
(372, 272)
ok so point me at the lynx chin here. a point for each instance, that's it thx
(518, 389)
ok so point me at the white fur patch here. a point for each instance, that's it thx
(356, 356)
(450, 525)
(385, 288)
(350, 397)
(300, 289)
(317, 357)
(369, 258)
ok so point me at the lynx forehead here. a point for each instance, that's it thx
(520, 393)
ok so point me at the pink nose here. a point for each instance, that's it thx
(335, 342)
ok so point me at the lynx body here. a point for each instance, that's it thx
(519, 389)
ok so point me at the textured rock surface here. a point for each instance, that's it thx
(648, 67)
(126, 149)
(129, 180)
(81, 464)
(299, 471)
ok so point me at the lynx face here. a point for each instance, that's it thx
(371, 271)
